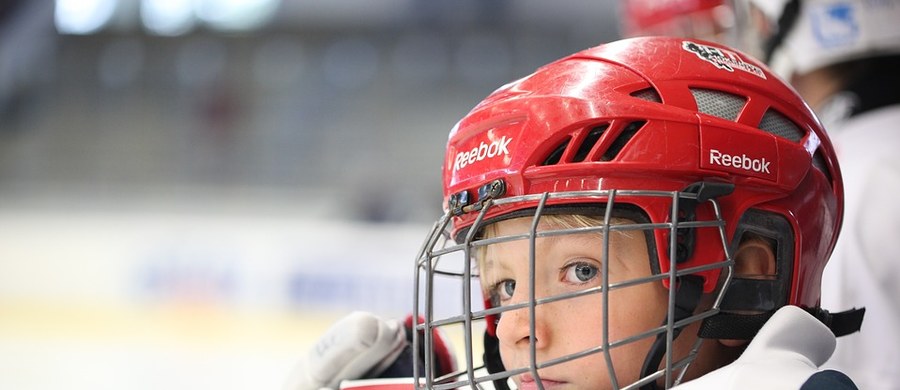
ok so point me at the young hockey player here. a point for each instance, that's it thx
(649, 213)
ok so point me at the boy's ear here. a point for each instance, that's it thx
(754, 258)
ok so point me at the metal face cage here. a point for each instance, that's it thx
(448, 296)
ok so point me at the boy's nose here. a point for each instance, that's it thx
(514, 328)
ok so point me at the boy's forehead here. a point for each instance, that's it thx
(554, 221)
(523, 225)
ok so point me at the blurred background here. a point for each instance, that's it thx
(191, 191)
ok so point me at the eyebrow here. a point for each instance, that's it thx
(583, 238)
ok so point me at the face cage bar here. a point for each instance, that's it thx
(439, 243)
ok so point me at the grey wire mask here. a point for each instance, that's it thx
(448, 293)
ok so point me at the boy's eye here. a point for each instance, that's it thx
(581, 272)
(508, 288)
(502, 291)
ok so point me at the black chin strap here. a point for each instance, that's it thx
(492, 360)
(687, 297)
(745, 326)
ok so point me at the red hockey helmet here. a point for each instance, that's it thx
(676, 130)
(658, 114)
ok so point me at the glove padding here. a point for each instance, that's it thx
(360, 345)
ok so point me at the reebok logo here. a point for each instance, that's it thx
(483, 151)
(759, 165)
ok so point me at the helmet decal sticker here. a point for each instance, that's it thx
(722, 59)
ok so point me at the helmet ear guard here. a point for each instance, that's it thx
(762, 294)
(761, 297)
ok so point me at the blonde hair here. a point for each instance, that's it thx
(554, 221)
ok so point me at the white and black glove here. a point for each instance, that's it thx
(362, 346)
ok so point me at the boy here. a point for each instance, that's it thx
(634, 213)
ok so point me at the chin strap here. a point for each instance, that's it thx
(687, 297)
(733, 326)
(492, 360)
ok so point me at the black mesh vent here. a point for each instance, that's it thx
(630, 130)
(776, 123)
(717, 103)
(589, 141)
(557, 153)
(648, 94)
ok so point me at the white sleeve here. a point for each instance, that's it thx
(788, 349)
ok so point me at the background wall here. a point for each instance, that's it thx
(191, 191)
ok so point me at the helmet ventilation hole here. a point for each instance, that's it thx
(557, 153)
(589, 141)
(775, 123)
(717, 103)
(648, 94)
(630, 130)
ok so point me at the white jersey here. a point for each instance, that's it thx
(864, 269)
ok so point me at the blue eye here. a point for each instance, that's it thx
(581, 272)
(502, 291)
(509, 288)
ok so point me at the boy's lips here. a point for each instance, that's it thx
(527, 382)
